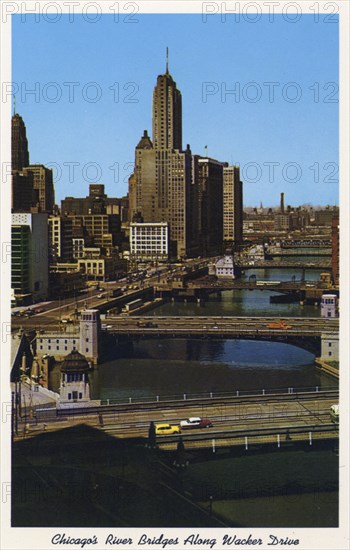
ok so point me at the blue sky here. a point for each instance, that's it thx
(94, 85)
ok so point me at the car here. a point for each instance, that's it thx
(279, 325)
(29, 313)
(100, 295)
(167, 429)
(147, 324)
(335, 413)
(195, 422)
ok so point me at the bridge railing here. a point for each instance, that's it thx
(208, 396)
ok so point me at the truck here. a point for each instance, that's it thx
(130, 306)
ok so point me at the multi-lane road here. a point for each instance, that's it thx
(192, 326)
(235, 419)
(221, 325)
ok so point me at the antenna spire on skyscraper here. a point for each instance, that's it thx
(167, 61)
(14, 105)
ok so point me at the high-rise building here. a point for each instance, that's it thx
(160, 189)
(96, 202)
(60, 239)
(335, 250)
(167, 113)
(19, 143)
(210, 204)
(233, 205)
(43, 183)
(29, 268)
(24, 196)
(170, 185)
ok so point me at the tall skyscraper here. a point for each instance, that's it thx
(167, 113)
(233, 205)
(43, 183)
(170, 185)
(210, 204)
(19, 143)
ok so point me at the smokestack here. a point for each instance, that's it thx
(282, 203)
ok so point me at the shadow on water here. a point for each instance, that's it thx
(148, 368)
(81, 476)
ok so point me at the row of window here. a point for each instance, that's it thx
(75, 377)
(75, 397)
(57, 341)
(58, 348)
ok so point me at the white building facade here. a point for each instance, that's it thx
(83, 339)
(329, 305)
(225, 268)
(74, 385)
(149, 241)
(329, 346)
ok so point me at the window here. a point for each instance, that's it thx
(80, 395)
(329, 344)
(69, 396)
(86, 349)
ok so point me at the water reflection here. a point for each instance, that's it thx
(167, 367)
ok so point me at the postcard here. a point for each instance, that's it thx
(174, 274)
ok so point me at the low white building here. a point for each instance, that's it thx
(149, 241)
(225, 267)
(83, 338)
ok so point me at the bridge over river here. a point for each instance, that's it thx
(277, 417)
(300, 331)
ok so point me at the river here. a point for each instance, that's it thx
(148, 368)
(293, 487)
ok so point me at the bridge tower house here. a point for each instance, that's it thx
(89, 334)
(75, 386)
(329, 305)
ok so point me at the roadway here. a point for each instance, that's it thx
(220, 325)
(235, 419)
(241, 284)
(185, 326)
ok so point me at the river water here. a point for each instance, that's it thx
(282, 492)
(150, 368)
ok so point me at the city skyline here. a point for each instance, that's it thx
(299, 156)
